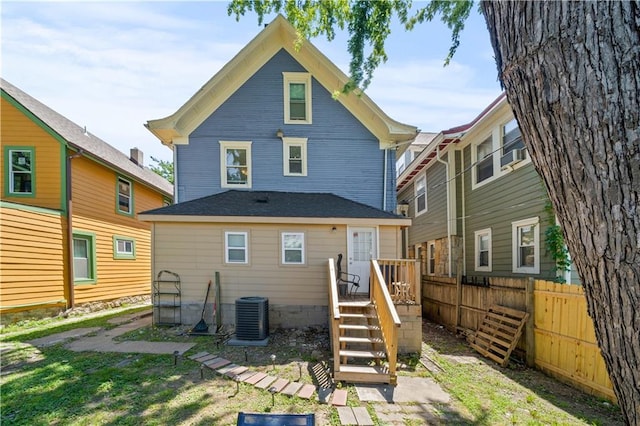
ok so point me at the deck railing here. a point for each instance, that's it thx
(334, 316)
(387, 316)
(402, 279)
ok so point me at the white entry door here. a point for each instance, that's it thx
(362, 247)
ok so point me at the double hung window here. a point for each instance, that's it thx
(511, 137)
(484, 160)
(421, 194)
(295, 156)
(236, 247)
(124, 196)
(84, 257)
(526, 246)
(483, 250)
(297, 98)
(293, 248)
(20, 171)
(235, 167)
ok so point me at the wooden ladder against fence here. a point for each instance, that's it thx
(499, 333)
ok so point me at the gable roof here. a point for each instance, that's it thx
(279, 34)
(252, 205)
(78, 138)
(441, 141)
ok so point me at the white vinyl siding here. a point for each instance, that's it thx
(526, 246)
(235, 164)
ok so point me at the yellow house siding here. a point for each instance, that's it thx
(115, 278)
(32, 258)
(94, 210)
(19, 130)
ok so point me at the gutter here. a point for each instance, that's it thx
(70, 277)
(446, 169)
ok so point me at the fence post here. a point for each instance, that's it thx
(530, 335)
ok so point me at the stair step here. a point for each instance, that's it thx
(357, 315)
(362, 354)
(349, 339)
(359, 327)
(363, 304)
(364, 369)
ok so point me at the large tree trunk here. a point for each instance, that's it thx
(571, 71)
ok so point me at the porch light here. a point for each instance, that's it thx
(280, 133)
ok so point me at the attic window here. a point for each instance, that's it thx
(297, 97)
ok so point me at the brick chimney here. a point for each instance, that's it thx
(137, 157)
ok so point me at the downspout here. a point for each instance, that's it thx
(446, 169)
(70, 289)
(384, 183)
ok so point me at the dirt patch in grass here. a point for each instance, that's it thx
(514, 394)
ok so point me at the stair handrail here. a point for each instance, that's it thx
(388, 317)
(334, 316)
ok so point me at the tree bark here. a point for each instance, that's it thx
(571, 71)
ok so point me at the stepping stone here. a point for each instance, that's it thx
(236, 371)
(323, 395)
(306, 391)
(292, 388)
(255, 378)
(217, 363)
(346, 415)
(244, 376)
(339, 397)
(207, 358)
(362, 416)
(279, 384)
(198, 355)
(225, 370)
(264, 383)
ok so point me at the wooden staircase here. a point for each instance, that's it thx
(362, 355)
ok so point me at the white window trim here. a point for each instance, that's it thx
(224, 145)
(282, 249)
(226, 247)
(288, 142)
(429, 270)
(422, 178)
(478, 234)
(495, 136)
(515, 246)
(297, 77)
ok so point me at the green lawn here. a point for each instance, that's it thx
(53, 385)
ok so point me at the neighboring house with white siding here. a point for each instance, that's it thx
(274, 175)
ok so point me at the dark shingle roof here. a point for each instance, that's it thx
(78, 138)
(274, 204)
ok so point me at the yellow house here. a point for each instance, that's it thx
(69, 231)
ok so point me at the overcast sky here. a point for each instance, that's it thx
(112, 66)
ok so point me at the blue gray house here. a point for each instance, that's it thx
(273, 176)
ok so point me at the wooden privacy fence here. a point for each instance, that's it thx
(559, 337)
